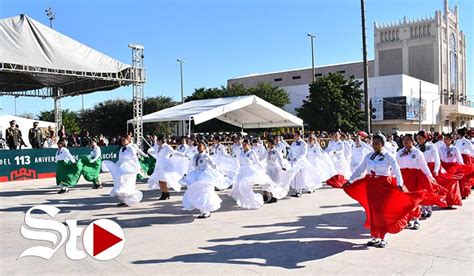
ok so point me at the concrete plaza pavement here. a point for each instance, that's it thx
(317, 234)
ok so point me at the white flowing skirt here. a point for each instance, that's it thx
(342, 165)
(227, 164)
(306, 176)
(324, 167)
(169, 170)
(281, 178)
(242, 191)
(124, 176)
(201, 195)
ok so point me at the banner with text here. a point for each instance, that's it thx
(40, 163)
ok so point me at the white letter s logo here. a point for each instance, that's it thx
(43, 251)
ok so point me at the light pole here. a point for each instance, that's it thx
(312, 37)
(366, 67)
(51, 16)
(182, 89)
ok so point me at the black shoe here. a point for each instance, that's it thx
(381, 244)
(121, 204)
(463, 198)
(296, 195)
(164, 196)
(265, 198)
(97, 187)
(63, 190)
(373, 242)
(272, 200)
(416, 226)
(203, 216)
(428, 215)
(423, 215)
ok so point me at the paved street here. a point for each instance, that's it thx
(319, 233)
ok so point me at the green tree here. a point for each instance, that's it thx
(110, 117)
(333, 103)
(70, 119)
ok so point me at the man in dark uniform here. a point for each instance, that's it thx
(13, 136)
(35, 136)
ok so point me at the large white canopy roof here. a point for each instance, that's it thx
(244, 111)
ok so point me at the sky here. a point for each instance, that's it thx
(218, 39)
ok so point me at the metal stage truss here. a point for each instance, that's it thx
(32, 81)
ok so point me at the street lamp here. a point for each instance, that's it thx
(182, 87)
(312, 37)
(50, 14)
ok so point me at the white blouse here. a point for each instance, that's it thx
(336, 148)
(260, 150)
(464, 146)
(298, 150)
(236, 149)
(218, 149)
(378, 164)
(182, 148)
(281, 146)
(413, 159)
(249, 158)
(202, 161)
(63, 154)
(275, 157)
(450, 154)
(431, 155)
(95, 153)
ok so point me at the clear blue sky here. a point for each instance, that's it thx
(219, 39)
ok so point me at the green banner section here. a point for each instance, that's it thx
(40, 163)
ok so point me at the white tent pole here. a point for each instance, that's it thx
(302, 127)
(189, 128)
(127, 128)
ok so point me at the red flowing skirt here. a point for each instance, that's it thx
(415, 180)
(450, 183)
(467, 182)
(464, 172)
(387, 209)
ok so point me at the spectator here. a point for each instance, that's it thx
(73, 140)
(35, 136)
(62, 132)
(13, 136)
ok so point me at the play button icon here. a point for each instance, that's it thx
(103, 239)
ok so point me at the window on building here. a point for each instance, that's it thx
(278, 79)
(342, 72)
(318, 75)
(296, 77)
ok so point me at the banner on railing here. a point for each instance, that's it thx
(40, 163)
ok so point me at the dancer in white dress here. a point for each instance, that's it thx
(280, 145)
(259, 149)
(251, 173)
(306, 177)
(124, 174)
(171, 166)
(320, 159)
(335, 149)
(236, 147)
(200, 182)
(359, 151)
(278, 170)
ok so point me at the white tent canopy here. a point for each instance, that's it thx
(244, 111)
(24, 126)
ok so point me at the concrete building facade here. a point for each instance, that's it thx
(427, 54)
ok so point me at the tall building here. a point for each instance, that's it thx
(412, 57)
(431, 49)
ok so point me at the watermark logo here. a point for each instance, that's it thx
(103, 239)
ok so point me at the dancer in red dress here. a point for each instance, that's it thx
(452, 162)
(417, 176)
(388, 208)
(466, 149)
